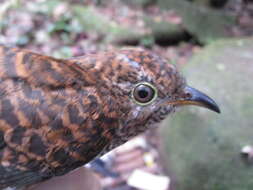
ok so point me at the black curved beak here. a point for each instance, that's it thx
(192, 96)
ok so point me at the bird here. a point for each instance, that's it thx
(58, 114)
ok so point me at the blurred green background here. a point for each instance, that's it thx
(210, 40)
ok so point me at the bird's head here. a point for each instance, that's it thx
(146, 87)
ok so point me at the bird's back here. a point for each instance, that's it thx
(50, 120)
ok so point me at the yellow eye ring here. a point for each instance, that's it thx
(144, 93)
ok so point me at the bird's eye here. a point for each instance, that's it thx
(144, 93)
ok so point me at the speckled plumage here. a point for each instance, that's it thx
(56, 115)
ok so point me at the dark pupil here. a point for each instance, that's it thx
(143, 93)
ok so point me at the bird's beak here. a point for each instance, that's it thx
(192, 96)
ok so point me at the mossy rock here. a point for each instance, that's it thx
(141, 3)
(210, 3)
(91, 20)
(204, 23)
(202, 148)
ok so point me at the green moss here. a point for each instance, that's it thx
(139, 2)
(92, 21)
(161, 29)
(204, 23)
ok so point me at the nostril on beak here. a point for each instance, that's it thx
(188, 95)
(247, 153)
